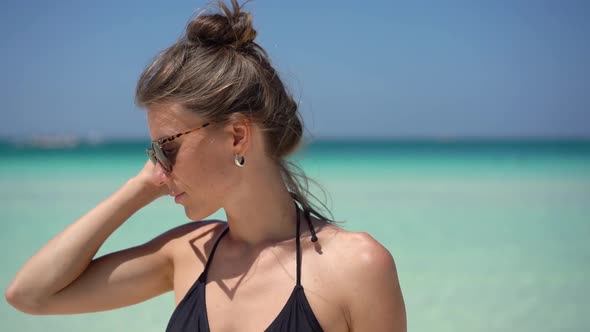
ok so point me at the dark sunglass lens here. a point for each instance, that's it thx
(164, 161)
(151, 155)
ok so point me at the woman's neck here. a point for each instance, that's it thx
(261, 212)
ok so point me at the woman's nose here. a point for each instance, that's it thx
(159, 176)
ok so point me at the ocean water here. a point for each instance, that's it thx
(487, 236)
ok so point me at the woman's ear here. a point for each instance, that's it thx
(241, 130)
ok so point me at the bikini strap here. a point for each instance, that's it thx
(210, 258)
(307, 213)
(314, 237)
(298, 246)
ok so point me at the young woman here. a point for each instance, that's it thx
(222, 124)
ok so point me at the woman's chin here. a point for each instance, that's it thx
(189, 213)
(192, 213)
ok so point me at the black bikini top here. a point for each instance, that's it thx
(295, 316)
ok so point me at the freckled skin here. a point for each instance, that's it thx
(259, 211)
(204, 168)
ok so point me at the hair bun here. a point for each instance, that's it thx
(228, 28)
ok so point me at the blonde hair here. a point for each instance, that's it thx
(216, 69)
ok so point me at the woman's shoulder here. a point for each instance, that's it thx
(357, 256)
(353, 249)
(361, 270)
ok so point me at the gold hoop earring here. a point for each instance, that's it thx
(237, 161)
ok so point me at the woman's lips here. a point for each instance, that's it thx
(178, 197)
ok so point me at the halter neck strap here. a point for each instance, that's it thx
(314, 238)
(298, 245)
(210, 258)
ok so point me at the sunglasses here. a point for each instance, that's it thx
(156, 154)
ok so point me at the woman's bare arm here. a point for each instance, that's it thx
(63, 278)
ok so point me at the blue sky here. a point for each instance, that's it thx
(358, 68)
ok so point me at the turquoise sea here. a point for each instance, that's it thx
(487, 235)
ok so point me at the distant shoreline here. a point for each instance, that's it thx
(70, 141)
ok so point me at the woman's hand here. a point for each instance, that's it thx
(145, 178)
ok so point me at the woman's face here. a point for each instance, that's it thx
(203, 171)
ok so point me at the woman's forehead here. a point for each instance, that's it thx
(167, 120)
